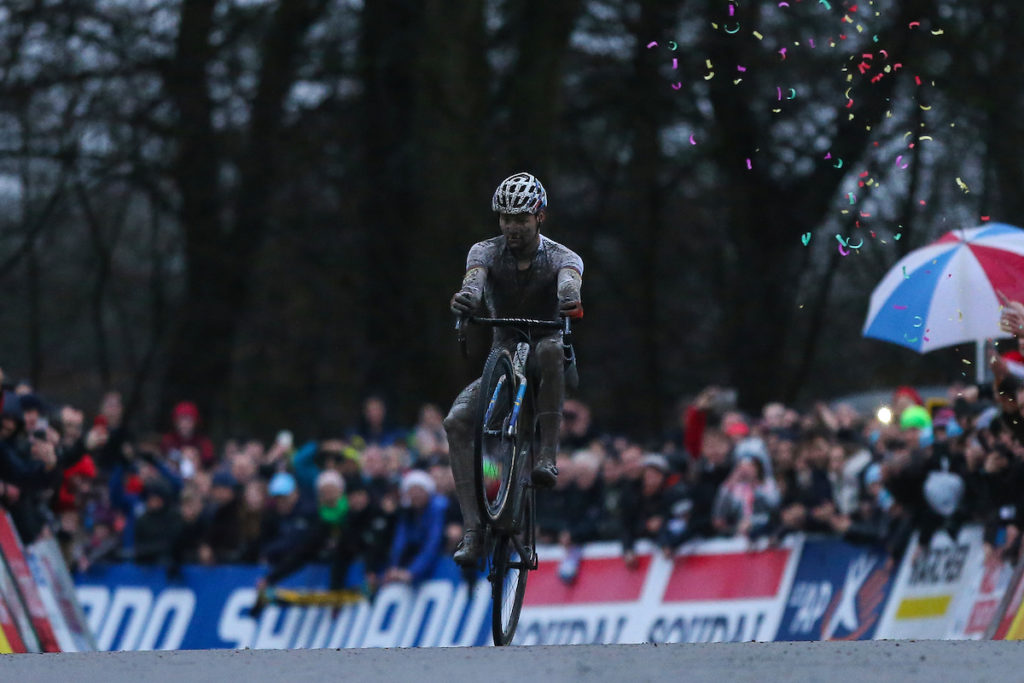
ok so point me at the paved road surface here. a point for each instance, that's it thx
(931, 661)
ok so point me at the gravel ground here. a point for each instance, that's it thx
(902, 661)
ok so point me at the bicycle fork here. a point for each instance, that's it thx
(518, 366)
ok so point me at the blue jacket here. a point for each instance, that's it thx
(419, 537)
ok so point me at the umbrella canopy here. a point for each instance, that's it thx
(945, 293)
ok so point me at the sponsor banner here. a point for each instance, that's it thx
(929, 580)
(838, 593)
(978, 604)
(714, 591)
(14, 553)
(17, 625)
(130, 607)
(58, 594)
(1008, 623)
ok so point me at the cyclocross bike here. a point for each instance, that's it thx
(505, 431)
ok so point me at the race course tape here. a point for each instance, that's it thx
(924, 608)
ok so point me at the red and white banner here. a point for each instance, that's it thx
(716, 591)
(57, 591)
(23, 632)
(977, 606)
(14, 554)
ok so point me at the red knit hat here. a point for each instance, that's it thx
(186, 409)
(909, 392)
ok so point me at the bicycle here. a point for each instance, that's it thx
(505, 430)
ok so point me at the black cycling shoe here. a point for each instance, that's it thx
(544, 475)
(470, 548)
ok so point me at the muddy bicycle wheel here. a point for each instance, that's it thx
(495, 447)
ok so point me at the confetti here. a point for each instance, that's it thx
(735, 30)
(677, 85)
(825, 3)
(962, 185)
(805, 238)
(750, 166)
(692, 141)
(651, 44)
(672, 45)
(757, 35)
(920, 324)
(914, 24)
(675, 63)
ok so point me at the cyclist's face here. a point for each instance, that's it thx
(520, 229)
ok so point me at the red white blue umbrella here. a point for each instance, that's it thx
(945, 293)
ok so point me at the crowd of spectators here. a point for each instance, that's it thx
(384, 497)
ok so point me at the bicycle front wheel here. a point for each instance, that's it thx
(495, 442)
(508, 581)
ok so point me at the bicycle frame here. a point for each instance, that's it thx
(524, 327)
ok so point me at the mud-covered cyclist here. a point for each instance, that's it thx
(519, 274)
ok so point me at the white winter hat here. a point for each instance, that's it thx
(418, 478)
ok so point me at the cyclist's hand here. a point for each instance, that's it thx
(465, 302)
(570, 308)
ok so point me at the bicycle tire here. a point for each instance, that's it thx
(495, 454)
(508, 580)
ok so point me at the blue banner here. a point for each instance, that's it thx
(129, 607)
(838, 593)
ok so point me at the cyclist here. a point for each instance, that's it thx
(519, 274)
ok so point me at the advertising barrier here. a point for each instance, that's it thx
(921, 604)
(138, 608)
(14, 554)
(1008, 623)
(720, 590)
(838, 594)
(716, 591)
(57, 591)
(978, 604)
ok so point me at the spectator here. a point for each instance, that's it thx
(419, 534)
(224, 519)
(429, 438)
(329, 536)
(286, 522)
(586, 500)
(710, 470)
(577, 431)
(191, 546)
(111, 420)
(157, 530)
(808, 502)
(184, 441)
(747, 501)
(374, 429)
(647, 506)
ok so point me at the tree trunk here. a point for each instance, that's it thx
(219, 254)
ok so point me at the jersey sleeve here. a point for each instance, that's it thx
(570, 259)
(481, 255)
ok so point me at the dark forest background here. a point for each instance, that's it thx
(265, 206)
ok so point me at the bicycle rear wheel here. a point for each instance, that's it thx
(495, 448)
(509, 573)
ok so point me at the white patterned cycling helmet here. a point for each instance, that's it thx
(519, 193)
